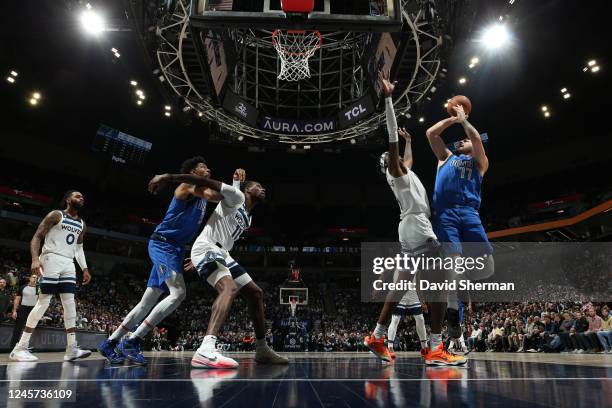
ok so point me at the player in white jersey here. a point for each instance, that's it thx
(415, 232)
(211, 259)
(63, 233)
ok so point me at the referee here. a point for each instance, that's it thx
(25, 299)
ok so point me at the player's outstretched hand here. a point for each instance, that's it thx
(461, 116)
(86, 276)
(157, 183)
(240, 175)
(188, 266)
(387, 86)
(404, 133)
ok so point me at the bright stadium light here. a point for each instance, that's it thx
(546, 114)
(92, 22)
(10, 79)
(462, 80)
(595, 68)
(544, 108)
(200, 114)
(353, 141)
(293, 147)
(167, 107)
(567, 95)
(14, 73)
(421, 119)
(167, 114)
(495, 36)
(240, 138)
(563, 90)
(33, 101)
(36, 95)
(474, 60)
(306, 147)
(139, 102)
(133, 83)
(591, 63)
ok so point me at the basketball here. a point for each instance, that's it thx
(459, 100)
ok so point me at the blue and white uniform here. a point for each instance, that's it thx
(57, 256)
(456, 200)
(210, 252)
(167, 243)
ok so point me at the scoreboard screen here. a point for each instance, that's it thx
(121, 147)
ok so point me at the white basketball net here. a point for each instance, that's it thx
(294, 48)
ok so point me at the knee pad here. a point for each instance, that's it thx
(39, 310)
(69, 306)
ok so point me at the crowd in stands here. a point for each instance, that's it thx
(560, 326)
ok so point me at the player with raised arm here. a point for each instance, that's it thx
(63, 232)
(456, 200)
(167, 251)
(211, 259)
(416, 237)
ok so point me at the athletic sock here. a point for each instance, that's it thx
(142, 330)
(119, 333)
(380, 330)
(435, 339)
(424, 344)
(24, 341)
(70, 339)
(390, 346)
(209, 344)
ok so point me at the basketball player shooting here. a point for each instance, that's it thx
(456, 200)
(63, 233)
(167, 251)
(416, 237)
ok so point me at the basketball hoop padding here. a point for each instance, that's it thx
(297, 6)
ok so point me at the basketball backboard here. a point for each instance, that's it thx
(287, 293)
(328, 15)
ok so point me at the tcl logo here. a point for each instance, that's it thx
(355, 112)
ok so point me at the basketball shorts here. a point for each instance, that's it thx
(409, 305)
(167, 260)
(214, 263)
(454, 226)
(414, 231)
(58, 274)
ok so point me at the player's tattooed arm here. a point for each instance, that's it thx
(49, 221)
(407, 149)
(435, 140)
(478, 151)
(161, 180)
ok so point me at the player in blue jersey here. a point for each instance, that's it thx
(166, 250)
(456, 200)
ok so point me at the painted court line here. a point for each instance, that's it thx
(316, 379)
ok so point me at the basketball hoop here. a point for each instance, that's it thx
(294, 48)
(293, 301)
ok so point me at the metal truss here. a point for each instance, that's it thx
(337, 78)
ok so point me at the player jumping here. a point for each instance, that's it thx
(456, 200)
(166, 250)
(63, 233)
(415, 234)
(211, 258)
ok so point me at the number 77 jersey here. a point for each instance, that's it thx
(458, 183)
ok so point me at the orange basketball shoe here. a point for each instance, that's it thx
(440, 357)
(377, 346)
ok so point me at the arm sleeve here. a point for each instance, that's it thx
(236, 184)
(391, 120)
(232, 197)
(80, 256)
